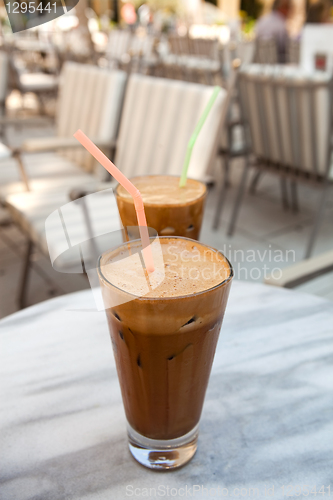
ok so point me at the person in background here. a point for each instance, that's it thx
(273, 25)
(319, 12)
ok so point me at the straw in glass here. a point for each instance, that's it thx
(130, 188)
(195, 134)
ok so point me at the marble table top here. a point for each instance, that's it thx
(266, 427)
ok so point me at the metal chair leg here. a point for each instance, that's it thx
(222, 193)
(316, 224)
(255, 180)
(294, 197)
(42, 110)
(239, 198)
(284, 193)
(23, 173)
(25, 275)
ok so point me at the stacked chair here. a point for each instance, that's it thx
(43, 85)
(193, 59)
(142, 56)
(117, 49)
(265, 51)
(293, 51)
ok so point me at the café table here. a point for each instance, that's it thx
(266, 427)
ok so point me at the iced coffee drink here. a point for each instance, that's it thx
(164, 344)
(170, 210)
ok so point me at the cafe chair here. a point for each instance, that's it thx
(288, 126)
(158, 119)
(179, 45)
(142, 54)
(293, 51)
(117, 49)
(232, 146)
(89, 98)
(242, 50)
(232, 141)
(43, 85)
(265, 51)
(193, 59)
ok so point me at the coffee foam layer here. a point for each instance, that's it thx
(189, 268)
(164, 190)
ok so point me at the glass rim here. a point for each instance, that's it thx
(143, 297)
(149, 204)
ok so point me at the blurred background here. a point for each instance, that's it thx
(191, 41)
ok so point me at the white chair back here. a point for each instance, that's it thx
(205, 48)
(266, 51)
(184, 45)
(158, 119)
(118, 44)
(289, 114)
(142, 45)
(91, 99)
(179, 45)
(293, 51)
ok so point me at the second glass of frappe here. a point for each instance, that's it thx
(170, 210)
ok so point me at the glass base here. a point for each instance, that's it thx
(162, 454)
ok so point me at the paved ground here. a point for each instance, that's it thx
(267, 238)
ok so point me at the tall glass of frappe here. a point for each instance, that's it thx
(164, 343)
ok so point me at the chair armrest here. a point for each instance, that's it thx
(78, 192)
(26, 122)
(53, 143)
(303, 271)
(5, 152)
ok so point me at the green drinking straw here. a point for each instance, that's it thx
(195, 134)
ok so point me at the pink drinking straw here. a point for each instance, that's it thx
(130, 188)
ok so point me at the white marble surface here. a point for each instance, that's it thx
(267, 419)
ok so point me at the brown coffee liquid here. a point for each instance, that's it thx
(164, 343)
(170, 210)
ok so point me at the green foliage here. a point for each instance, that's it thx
(248, 25)
(253, 8)
(169, 6)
